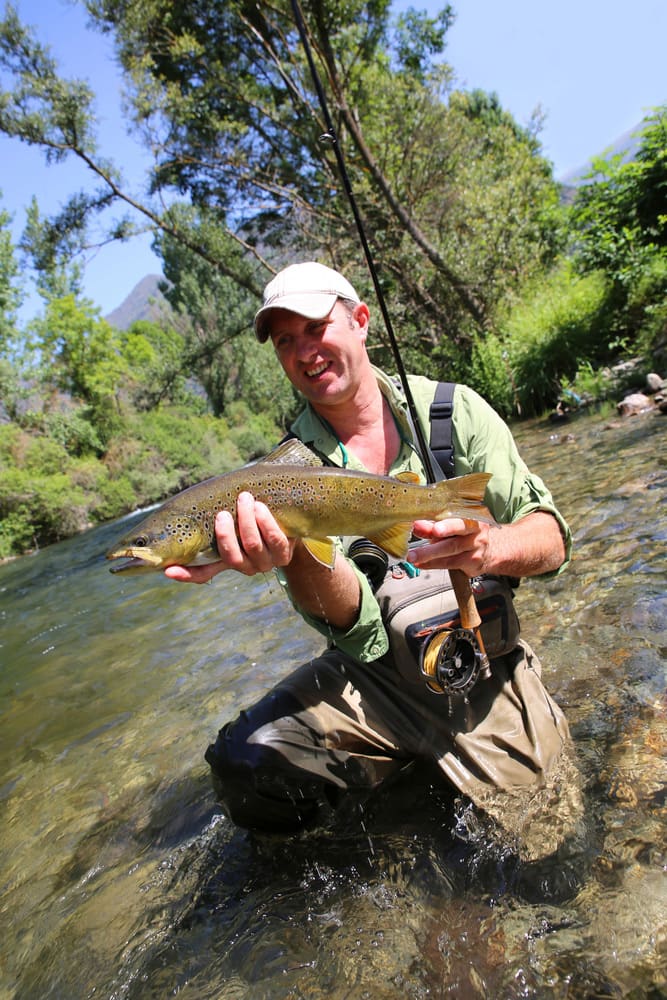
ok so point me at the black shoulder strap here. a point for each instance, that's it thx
(440, 414)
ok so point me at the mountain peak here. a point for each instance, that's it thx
(145, 301)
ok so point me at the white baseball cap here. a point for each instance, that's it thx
(309, 289)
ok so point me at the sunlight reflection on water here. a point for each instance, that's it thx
(120, 877)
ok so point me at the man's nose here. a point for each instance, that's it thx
(307, 347)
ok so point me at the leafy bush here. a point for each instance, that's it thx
(254, 434)
(115, 497)
(562, 324)
(42, 456)
(150, 477)
(490, 374)
(12, 442)
(196, 446)
(38, 509)
(618, 224)
(647, 307)
(588, 383)
(74, 431)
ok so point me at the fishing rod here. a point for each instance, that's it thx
(330, 138)
(457, 654)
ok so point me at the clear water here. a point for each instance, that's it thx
(119, 878)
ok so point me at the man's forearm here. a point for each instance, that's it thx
(332, 595)
(529, 547)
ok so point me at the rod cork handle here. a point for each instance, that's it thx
(465, 599)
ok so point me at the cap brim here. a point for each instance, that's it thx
(312, 305)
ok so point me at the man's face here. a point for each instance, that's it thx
(322, 358)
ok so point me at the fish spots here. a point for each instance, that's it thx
(286, 493)
(306, 503)
(181, 529)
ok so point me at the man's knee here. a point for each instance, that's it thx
(254, 775)
(253, 808)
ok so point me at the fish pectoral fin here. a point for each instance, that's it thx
(322, 549)
(408, 477)
(393, 540)
(209, 555)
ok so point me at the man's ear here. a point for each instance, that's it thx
(362, 316)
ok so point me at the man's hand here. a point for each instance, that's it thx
(528, 547)
(256, 544)
(453, 544)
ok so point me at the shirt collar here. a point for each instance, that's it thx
(317, 434)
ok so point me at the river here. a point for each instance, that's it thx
(120, 878)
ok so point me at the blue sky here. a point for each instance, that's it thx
(593, 67)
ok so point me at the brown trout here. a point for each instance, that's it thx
(309, 500)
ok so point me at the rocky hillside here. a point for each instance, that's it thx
(145, 301)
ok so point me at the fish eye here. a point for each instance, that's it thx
(141, 541)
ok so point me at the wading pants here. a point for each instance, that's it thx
(336, 726)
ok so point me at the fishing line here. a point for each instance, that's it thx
(329, 137)
(470, 618)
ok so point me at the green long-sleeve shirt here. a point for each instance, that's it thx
(482, 443)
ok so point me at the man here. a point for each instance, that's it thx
(361, 712)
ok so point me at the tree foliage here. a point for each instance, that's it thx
(620, 214)
(10, 288)
(460, 209)
(619, 227)
(153, 352)
(214, 316)
(458, 203)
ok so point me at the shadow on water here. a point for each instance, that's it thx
(120, 878)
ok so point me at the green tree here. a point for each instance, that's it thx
(220, 89)
(619, 226)
(214, 315)
(80, 357)
(12, 389)
(10, 289)
(154, 354)
(621, 210)
(52, 250)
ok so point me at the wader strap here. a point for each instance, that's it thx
(440, 414)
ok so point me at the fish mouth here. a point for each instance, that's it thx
(136, 560)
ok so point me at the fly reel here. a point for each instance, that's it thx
(452, 662)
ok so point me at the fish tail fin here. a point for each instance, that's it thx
(463, 497)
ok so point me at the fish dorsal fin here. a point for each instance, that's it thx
(408, 477)
(322, 549)
(393, 540)
(292, 452)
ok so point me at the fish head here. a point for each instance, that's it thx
(161, 540)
